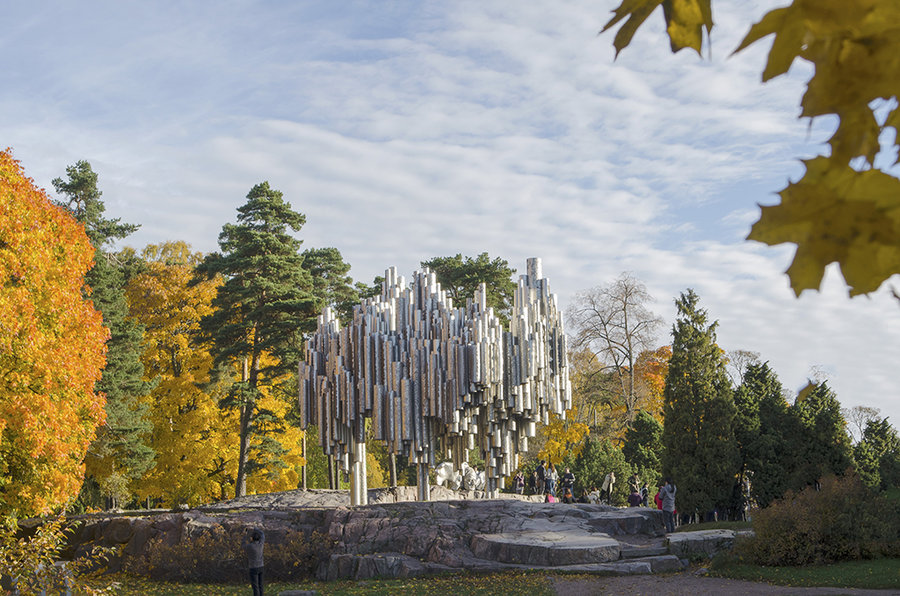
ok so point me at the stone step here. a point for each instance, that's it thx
(637, 552)
(546, 548)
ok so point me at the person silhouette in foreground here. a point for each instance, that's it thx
(667, 494)
(253, 546)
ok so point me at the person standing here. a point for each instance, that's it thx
(567, 481)
(519, 482)
(552, 477)
(608, 482)
(253, 546)
(541, 477)
(667, 493)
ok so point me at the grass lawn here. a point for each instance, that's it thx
(873, 574)
(468, 584)
(721, 525)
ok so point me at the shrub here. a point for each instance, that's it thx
(841, 521)
(32, 562)
(217, 555)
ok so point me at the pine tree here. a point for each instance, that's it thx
(764, 429)
(877, 455)
(826, 446)
(120, 454)
(700, 454)
(262, 309)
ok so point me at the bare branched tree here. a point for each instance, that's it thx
(858, 417)
(614, 322)
(738, 361)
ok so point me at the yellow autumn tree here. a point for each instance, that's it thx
(194, 440)
(562, 437)
(846, 207)
(651, 368)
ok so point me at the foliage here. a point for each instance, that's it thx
(825, 443)
(857, 417)
(51, 349)
(195, 443)
(217, 554)
(29, 561)
(841, 521)
(643, 448)
(700, 454)
(651, 368)
(842, 210)
(767, 433)
(461, 276)
(331, 284)
(563, 438)
(261, 312)
(614, 322)
(877, 455)
(596, 459)
(119, 454)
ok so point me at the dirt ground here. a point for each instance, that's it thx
(688, 584)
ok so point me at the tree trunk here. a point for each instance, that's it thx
(240, 485)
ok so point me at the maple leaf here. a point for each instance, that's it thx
(837, 214)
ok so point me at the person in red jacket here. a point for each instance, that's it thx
(658, 499)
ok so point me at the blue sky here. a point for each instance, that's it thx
(408, 130)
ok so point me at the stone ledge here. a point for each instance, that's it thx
(702, 542)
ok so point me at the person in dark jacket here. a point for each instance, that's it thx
(253, 546)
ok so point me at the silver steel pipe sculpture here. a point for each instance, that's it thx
(428, 377)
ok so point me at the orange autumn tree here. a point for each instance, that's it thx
(52, 349)
(651, 368)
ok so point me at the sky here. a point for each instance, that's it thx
(406, 130)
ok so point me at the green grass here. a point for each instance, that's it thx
(468, 584)
(872, 574)
(721, 525)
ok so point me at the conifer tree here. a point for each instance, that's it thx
(120, 454)
(261, 312)
(765, 432)
(826, 447)
(700, 454)
(643, 447)
(878, 455)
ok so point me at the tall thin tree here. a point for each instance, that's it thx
(262, 310)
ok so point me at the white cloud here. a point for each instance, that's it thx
(405, 131)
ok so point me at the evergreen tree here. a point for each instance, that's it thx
(262, 310)
(643, 447)
(595, 460)
(120, 454)
(877, 455)
(826, 445)
(763, 429)
(331, 284)
(700, 454)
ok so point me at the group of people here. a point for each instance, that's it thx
(545, 480)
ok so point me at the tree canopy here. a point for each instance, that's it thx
(52, 349)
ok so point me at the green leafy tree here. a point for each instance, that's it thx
(877, 455)
(120, 454)
(844, 209)
(826, 445)
(460, 277)
(643, 447)
(262, 310)
(700, 454)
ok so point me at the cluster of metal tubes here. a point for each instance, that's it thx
(431, 380)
